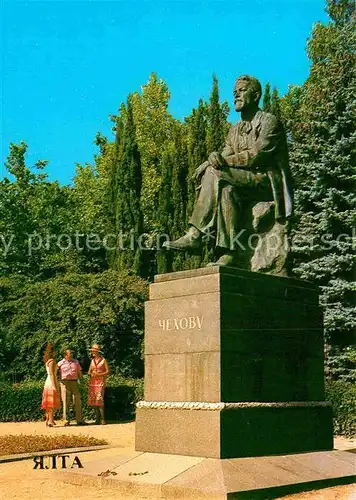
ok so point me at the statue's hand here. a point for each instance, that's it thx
(200, 171)
(216, 160)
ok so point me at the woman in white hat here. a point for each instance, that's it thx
(98, 371)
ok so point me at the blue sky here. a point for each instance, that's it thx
(67, 65)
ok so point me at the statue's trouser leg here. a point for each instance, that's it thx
(228, 216)
(220, 201)
(205, 208)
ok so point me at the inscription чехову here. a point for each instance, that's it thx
(189, 323)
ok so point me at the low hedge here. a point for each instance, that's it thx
(342, 396)
(21, 402)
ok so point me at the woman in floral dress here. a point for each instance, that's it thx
(50, 397)
(98, 371)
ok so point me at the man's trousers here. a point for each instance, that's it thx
(223, 196)
(70, 392)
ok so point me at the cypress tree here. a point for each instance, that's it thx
(165, 209)
(217, 128)
(216, 120)
(179, 189)
(266, 103)
(129, 221)
(275, 104)
(197, 124)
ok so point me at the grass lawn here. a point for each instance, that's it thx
(22, 443)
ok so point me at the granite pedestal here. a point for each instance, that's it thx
(234, 366)
(234, 393)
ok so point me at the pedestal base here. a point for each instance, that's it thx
(232, 430)
(234, 366)
(152, 475)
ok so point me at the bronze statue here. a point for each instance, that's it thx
(252, 168)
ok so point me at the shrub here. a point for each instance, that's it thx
(21, 402)
(72, 312)
(342, 396)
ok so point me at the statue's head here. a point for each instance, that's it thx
(247, 92)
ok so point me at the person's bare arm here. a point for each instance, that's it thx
(104, 374)
(59, 371)
(52, 374)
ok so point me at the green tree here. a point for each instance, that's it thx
(197, 125)
(180, 172)
(153, 129)
(128, 215)
(266, 102)
(216, 120)
(197, 147)
(289, 105)
(323, 155)
(73, 310)
(275, 104)
(33, 216)
(165, 211)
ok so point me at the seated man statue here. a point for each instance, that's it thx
(252, 167)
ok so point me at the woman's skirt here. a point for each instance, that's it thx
(50, 398)
(96, 392)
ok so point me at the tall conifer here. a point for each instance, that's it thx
(266, 102)
(216, 120)
(197, 124)
(165, 211)
(129, 223)
(275, 104)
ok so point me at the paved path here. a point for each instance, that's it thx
(19, 481)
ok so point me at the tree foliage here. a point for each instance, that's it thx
(266, 102)
(321, 120)
(73, 311)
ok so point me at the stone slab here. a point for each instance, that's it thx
(242, 312)
(256, 376)
(160, 469)
(230, 284)
(180, 432)
(232, 376)
(249, 429)
(295, 342)
(110, 463)
(271, 349)
(233, 271)
(171, 476)
(183, 324)
(208, 321)
(182, 377)
(266, 430)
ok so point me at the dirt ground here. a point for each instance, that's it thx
(19, 481)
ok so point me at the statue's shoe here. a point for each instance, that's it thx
(224, 260)
(186, 243)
